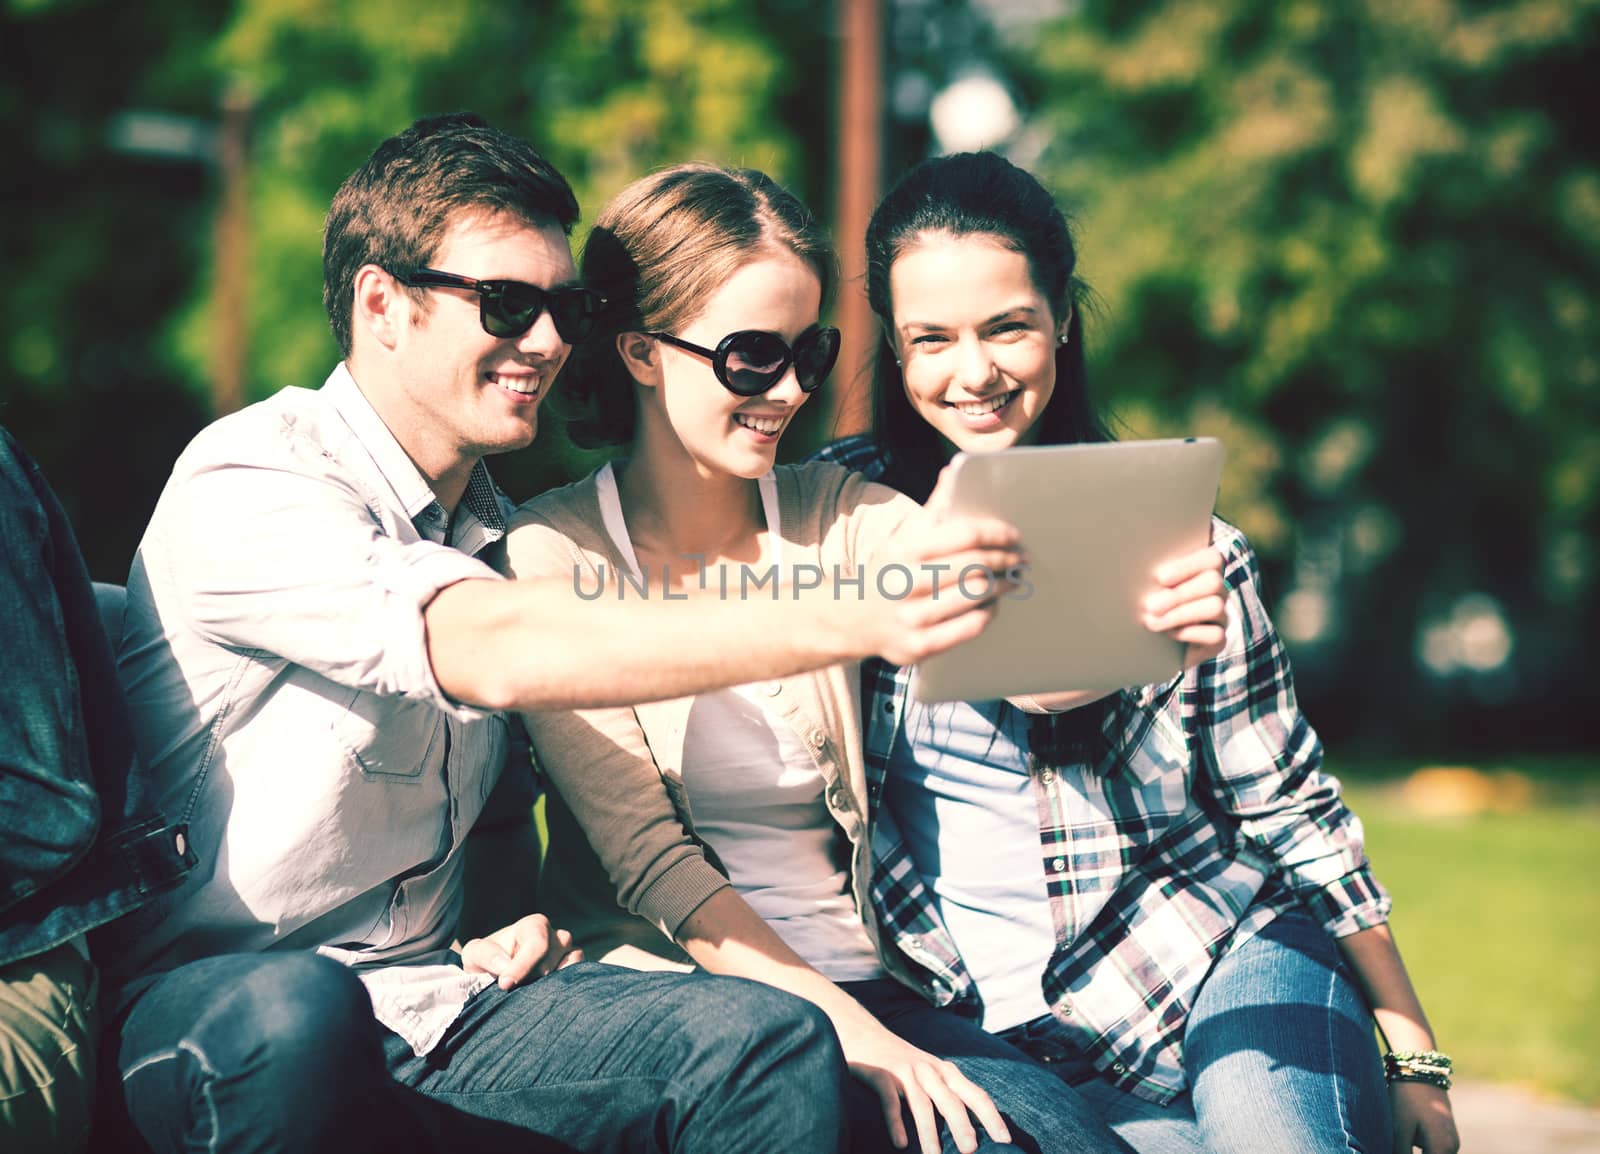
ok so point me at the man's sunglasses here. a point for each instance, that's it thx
(749, 362)
(509, 308)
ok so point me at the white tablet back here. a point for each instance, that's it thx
(1096, 520)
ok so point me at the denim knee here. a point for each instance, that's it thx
(758, 1016)
(773, 1059)
(1279, 1048)
(307, 1013)
(243, 1050)
(749, 1031)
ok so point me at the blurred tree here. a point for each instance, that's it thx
(608, 89)
(1361, 242)
(110, 349)
(99, 246)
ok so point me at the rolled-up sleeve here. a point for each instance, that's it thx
(1264, 762)
(274, 547)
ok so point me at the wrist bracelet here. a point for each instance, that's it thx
(1427, 1066)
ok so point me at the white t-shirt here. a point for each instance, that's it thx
(958, 784)
(757, 799)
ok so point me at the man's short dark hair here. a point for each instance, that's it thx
(394, 210)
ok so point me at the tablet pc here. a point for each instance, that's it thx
(1095, 520)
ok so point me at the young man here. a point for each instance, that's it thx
(316, 651)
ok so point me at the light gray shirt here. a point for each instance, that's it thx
(277, 670)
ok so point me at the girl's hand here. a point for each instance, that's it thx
(1192, 606)
(1422, 1117)
(898, 1071)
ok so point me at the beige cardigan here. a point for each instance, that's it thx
(617, 772)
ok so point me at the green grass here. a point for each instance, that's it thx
(1498, 917)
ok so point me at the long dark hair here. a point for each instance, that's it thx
(973, 194)
(983, 194)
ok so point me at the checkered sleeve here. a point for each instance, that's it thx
(1264, 762)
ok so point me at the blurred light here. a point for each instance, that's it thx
(33, 351)
(1567, 564)
(975, 111)
(1373, 533)
(1305, 616)
(1484, 637)
(1340, 451)
(162, 135)
(1436, 649)
(1475, 639)
(913, 93)
(1018, 17)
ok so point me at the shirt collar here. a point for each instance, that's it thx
(480, 518)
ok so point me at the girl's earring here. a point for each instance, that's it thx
(1062, 339)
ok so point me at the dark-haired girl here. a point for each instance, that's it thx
(1158, 894)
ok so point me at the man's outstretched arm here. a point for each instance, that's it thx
(537, 644)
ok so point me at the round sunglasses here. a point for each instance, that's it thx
(509, 308)
(750, 361)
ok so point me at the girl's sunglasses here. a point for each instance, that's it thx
(509, 308)
(749, 362)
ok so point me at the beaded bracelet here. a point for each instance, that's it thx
(1428, 1066)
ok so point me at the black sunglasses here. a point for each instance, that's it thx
(509, 308)
(749, 362)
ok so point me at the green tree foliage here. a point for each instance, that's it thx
(111, 293)
(99, 245)
(1360, 242)
(608, 89)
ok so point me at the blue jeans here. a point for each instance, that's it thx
(281, 1052)
(1278, 1050)
(1044, 1115)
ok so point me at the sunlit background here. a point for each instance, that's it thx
(1358, 241)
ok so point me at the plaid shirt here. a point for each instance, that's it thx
(1209, 815)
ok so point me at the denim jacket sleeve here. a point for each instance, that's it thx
(79, 844)
(49, 811)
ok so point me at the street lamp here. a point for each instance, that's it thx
(975, 110)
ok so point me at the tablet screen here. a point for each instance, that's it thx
(1095, 520)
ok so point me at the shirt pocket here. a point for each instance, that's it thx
(390, 738)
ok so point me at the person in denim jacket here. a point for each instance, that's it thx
(77, 848)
